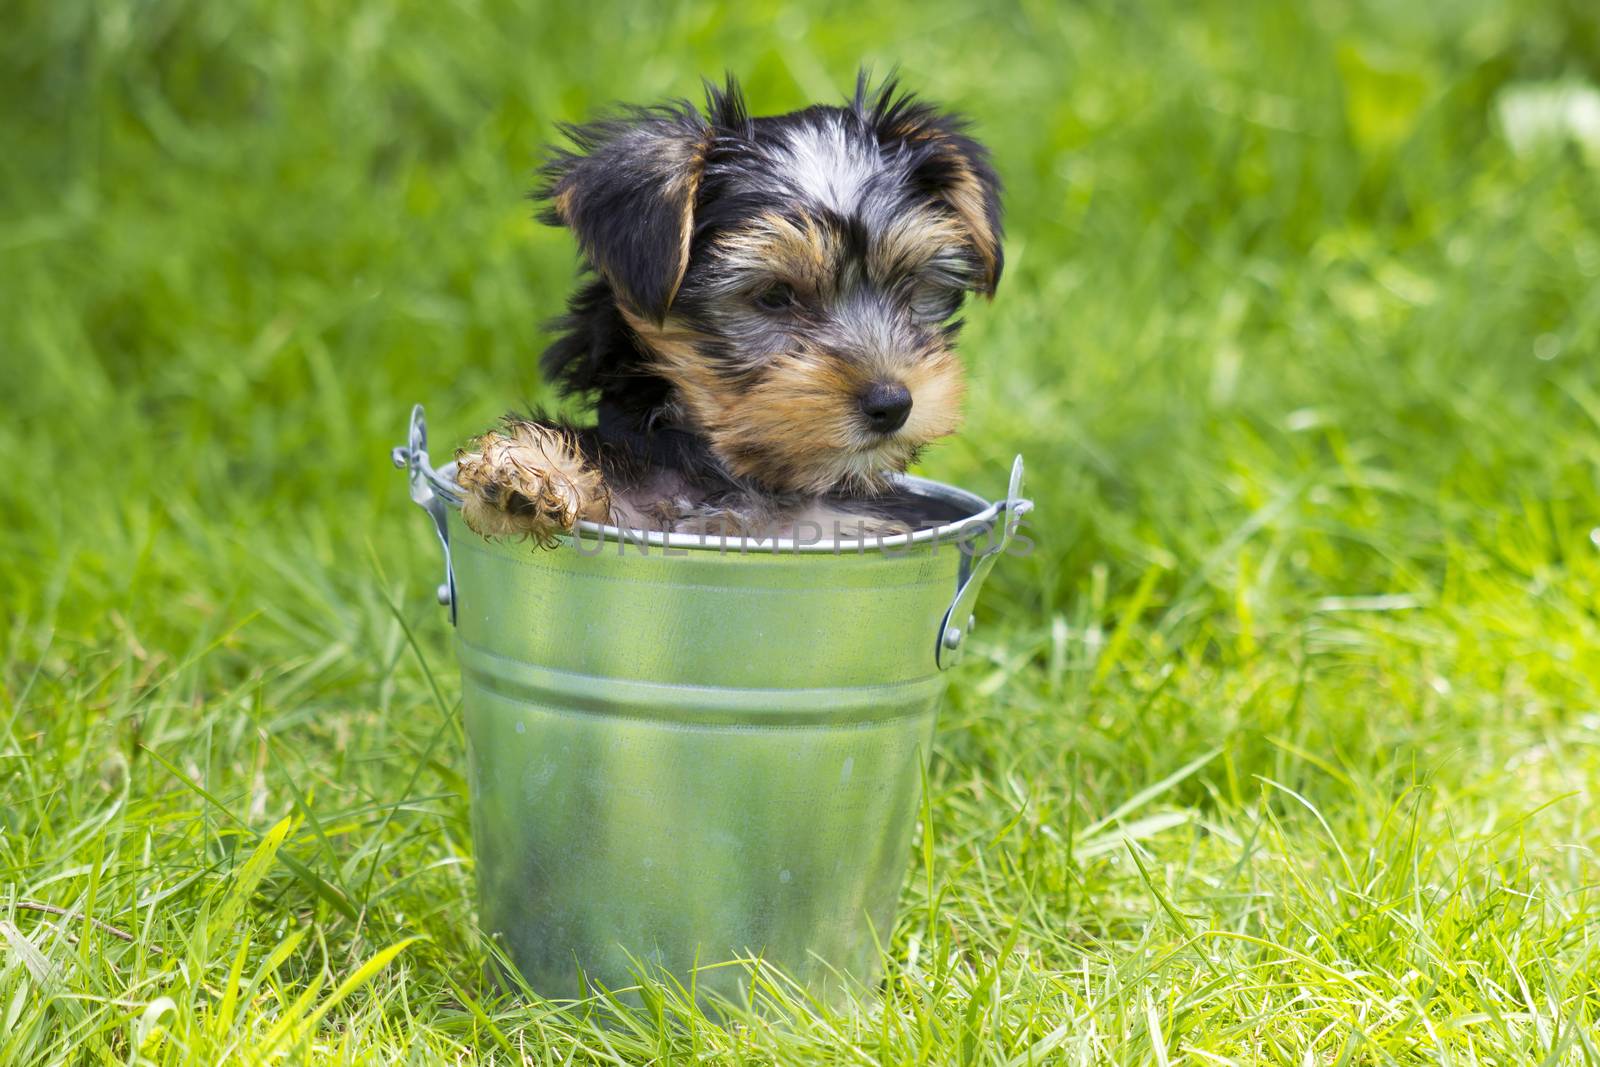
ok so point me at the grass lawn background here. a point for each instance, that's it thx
(1283, 746)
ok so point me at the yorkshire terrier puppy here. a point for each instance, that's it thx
(767, 332)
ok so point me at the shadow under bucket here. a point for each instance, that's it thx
(689, 750)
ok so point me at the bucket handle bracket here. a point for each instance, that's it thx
(979, 554)
(412, 458)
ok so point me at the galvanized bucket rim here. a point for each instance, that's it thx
(440, 484)
(982, 519)
(981, 536)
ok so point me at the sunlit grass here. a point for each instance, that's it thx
(1281, 748)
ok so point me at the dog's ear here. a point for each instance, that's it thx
(627, 192)
(946, 164)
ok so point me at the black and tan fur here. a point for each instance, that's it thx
(767, 330)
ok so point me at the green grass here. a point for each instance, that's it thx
(1282, 748)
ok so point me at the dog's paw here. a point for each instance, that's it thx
(529, 480)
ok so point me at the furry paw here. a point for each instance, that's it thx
(529, 480)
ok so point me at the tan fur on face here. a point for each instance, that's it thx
(529, 480)
(965, 197)
(937, 388)
(912, 242)
(802, 253)
(967, 200)
(798, 427)
(807, 255)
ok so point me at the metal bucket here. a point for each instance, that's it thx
(685, 751)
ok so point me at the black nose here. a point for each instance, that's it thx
(886, 405)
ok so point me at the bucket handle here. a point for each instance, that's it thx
(429, 493)
(979, 554)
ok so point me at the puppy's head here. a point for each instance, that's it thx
(793, 279)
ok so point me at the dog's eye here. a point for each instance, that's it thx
(778, 297)
(935, 302)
